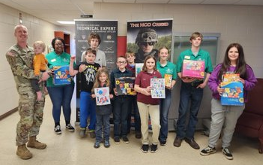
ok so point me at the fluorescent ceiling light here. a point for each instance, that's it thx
(67, 22)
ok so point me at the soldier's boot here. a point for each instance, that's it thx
(33, 143)
(23, 152)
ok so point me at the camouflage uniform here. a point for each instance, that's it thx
(30, 110)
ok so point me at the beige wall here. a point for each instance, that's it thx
(243, 24)
(38, 30)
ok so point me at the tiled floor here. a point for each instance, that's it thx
(69, 149)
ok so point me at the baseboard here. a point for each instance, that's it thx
(8, 113)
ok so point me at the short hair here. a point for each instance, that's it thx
(55, 39)
(89, 50)
(18, 26)
(121, 57)
(195, 35)
(41, 44)
(129, 53)
(94, 35)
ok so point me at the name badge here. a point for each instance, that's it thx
(53, 60)
(187, 57)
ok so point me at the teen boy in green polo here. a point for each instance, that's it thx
(191, 91)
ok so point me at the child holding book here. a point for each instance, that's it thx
(87, 72)
(40, 65)
(133, 107)
(168, 71)
(102, 111)
(121, 102)
(147, 105)
(227, 116)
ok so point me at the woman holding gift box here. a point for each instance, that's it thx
(60, 95)
(227, 115)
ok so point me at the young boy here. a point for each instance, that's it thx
(191, 91)
(40, 65)
(87, 72)
(133, 107)
(94, 42)
(121, 102)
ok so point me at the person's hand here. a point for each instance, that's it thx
(93, 95)
(146, 91)
(220, 90)
(115, 92)
(45, 76)
(82, 67)
(72, 59)
(201, 85)
(188, 79)
(242, 81)
(111, 96)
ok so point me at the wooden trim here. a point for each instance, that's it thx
(8, 113)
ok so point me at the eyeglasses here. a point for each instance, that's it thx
(121, 62)
(147, 43)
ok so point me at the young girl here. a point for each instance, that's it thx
(102, 111)
(146, 104)
(234, 62)
(168, 71)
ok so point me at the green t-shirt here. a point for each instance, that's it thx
(56, 60)
(202, 56)
(169, 68)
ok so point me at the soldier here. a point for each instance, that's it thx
(20, 57)
(146, 38)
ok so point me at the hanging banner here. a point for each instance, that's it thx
(87, 31)
(146, 37)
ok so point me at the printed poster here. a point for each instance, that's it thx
(148, 36)
(107, 30)
(102, 96)
(158, 87)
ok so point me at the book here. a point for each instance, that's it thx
(138, 68)
(194, 69)
(168, 80)
(102, 95)
(125, 85)
(233, 90)
(158, 87)
(61, 75)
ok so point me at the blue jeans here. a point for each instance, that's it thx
(103, 122)
(164, 111)
(120, 115)
(61, 97)
(87, 109)
(193, 95)
(133, 109)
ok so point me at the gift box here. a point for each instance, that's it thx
(194, 69)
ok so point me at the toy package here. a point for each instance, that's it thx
(233, 90)
(194, 69)
(168, 80)
(125, 85)
(61, 75)
(102, 95)
(158, 87)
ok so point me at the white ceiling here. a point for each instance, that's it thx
(68, 10)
